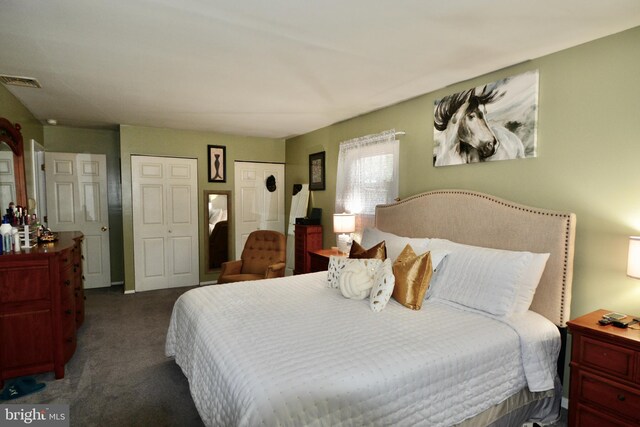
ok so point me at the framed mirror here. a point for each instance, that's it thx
(217, 212)
(13, 187)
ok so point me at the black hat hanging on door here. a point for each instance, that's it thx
(271, 183)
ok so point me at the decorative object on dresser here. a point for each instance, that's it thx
(41, 306)
(344, 223)
(605, 379)
(308, 238)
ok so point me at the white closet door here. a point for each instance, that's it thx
(165, 222)
(256, 207)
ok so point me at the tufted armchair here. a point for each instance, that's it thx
(263, 257)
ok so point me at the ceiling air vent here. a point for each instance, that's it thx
(19, 81)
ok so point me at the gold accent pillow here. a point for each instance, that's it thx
(412, 273)
(378, 251)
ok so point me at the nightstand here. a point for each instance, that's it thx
(605, 373)
(320, 259)
(307, 238)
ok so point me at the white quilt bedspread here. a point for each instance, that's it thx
(293, 352)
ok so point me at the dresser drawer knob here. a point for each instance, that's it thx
(69, 339)
(621, 397)
(67, 282)
(68, 311)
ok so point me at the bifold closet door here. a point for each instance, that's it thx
(165, 222)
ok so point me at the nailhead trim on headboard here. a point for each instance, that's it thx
(569, 219)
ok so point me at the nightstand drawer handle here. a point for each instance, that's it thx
(621, 397)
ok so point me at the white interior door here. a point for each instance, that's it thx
(256, 207)
(77, 201)
(165, 222)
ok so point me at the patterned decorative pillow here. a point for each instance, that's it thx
(383, 283)
(413, 273)
(378, 251)
(338, 263)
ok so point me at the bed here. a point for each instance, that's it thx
(291, 351)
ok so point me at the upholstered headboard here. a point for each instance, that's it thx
(483, 220)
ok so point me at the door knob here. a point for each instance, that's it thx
(104, 228)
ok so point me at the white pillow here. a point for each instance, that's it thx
(495, 281)
(355, 281)
(338, 263)
(437, 255)
(383, 283)
(394, 243)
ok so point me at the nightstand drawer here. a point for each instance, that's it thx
(613, 397)
(615, 360)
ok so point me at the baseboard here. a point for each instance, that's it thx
(117, 283)
(565, 403)
(129, 292)
(210, 282)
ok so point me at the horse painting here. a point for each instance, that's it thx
(466, 136)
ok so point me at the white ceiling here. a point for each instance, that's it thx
(272, 68)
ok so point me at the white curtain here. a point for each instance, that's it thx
(367, 176)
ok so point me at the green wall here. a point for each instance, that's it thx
(588, 149)
(192, 144)
(97, 141)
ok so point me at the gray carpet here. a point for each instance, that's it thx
(119, 375)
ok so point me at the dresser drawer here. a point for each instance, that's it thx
(611, 396)
(587, 417)
(25, 282)
(615, 360)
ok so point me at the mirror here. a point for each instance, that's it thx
(13, 187)
(217, 212)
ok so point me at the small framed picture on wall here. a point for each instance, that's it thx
(316, 171)
(217, 163)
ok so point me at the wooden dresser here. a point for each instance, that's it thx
(41, 306)
(605, 374)
(308, 238)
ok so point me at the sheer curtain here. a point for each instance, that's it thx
(367, 176)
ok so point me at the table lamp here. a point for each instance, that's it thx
(344, 223)
(633, 262)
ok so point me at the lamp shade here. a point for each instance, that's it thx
(344, 223)
(633, 262)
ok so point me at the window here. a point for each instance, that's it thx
(367, 176)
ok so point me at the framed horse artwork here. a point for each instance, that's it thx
(497, 121)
